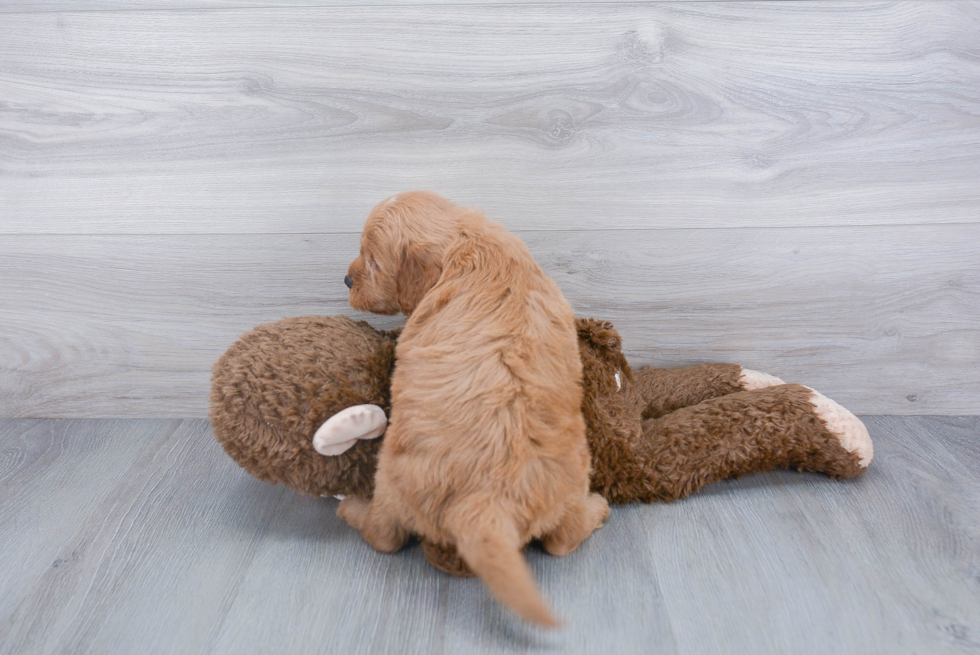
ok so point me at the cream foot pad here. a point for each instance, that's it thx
(752, 380)
(844, 425)
(344, 428)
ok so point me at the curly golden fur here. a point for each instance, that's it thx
(486, 448)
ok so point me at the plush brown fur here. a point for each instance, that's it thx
(667, 433)
(278, 383)
(486, 446)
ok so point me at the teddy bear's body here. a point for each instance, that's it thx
(654, 434)
(660, 435)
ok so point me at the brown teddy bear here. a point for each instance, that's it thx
(301, 402)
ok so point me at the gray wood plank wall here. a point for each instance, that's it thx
(12, 6)
(791, 186)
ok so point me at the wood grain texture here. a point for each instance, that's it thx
(169, 530)
(882, 319)
(898, 548)
(31, 6)
(652, 115)
(51, 474)
(177, 550)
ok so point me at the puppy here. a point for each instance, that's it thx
(486, 447)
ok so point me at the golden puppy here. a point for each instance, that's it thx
(486, 449)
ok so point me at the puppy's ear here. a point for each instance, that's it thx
(419, 272)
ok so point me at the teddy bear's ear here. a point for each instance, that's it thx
(342, 430)
(393, 333)
(601, 334)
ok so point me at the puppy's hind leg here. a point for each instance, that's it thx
(581, 519)
(379, 526)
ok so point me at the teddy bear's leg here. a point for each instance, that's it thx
(785, 426)
(581, 519)
(446, 559)
(667, 390)
(376, 520)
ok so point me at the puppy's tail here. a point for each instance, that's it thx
(492, 550)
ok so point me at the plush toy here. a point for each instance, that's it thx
(302, 401)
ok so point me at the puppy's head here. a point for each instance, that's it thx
(402, 246)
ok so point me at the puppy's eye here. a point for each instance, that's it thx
(374, 265)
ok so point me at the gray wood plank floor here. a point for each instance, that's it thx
(125, 536)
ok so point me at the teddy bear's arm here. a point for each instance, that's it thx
(784, 426)
(667, 390)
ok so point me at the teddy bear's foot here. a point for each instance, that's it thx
(343, 429)
(751, 380)
(848, 428)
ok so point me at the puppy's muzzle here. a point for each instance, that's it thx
(349, 282)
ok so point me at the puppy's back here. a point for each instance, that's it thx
(494, 339)
(487, 394)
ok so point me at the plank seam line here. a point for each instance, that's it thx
(514, 229)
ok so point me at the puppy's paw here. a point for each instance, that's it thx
(848, 428)
(751, 380)
(577, 525)
(352, 510)
(343, 429)
(599, 508)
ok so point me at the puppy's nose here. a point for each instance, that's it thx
(349, 282)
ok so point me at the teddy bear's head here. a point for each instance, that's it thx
(279, 382)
